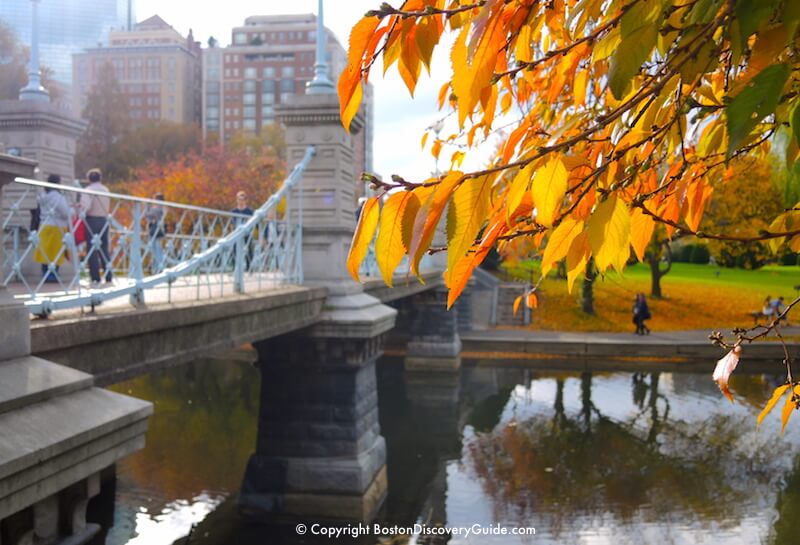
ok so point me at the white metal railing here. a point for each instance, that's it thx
(169, 250)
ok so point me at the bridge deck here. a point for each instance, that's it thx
(201, 289)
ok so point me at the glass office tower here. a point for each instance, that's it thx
(68, 26)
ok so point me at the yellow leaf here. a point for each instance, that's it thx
(394, 233)
(786, 414)
(424, 139)
(548, 190)
(642, 227)
(519, 186)
(776, 395)
(365, 230)
(577, 257)
(560, 242)
(457, 158)
(523, 51)
(579, 87)
(461, 82)
(466, 215)
(517, 303)
(609, 230)
(428, 218)
(607, 46)
(778, 225)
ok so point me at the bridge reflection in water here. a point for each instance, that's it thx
(617, 457)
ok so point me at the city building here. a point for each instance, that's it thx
(270, 58)
(68, 27)
(158, 70)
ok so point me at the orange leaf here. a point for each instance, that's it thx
(463, 269)
(642, 227)
(365, 230)
(349, 86)
(427, 36)
(531, 301)
(428, 218)
(348, 110)
(394, 234)
(517, 303)
(577, 258)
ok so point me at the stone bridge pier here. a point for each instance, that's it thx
(319, 452)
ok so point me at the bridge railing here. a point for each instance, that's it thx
(163, 250)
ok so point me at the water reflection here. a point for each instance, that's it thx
(585, 458)
(198, 443)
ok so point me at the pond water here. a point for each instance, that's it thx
(591, 458)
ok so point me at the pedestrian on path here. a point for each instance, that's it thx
(641, 312)
(96, 208)
(155, 230)
(54, 220)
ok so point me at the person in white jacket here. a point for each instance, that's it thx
(96, 208)
(55, 215)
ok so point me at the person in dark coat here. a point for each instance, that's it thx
(641, 312)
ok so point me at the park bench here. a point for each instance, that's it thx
(756, 315)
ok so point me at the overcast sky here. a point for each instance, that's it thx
(399, 119)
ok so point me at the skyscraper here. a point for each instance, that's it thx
(68, 27)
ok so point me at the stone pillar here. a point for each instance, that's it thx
(319, 451)
(15, 335)
(434, 344)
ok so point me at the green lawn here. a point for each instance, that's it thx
(695, 297)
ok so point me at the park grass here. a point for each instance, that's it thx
(695, 297)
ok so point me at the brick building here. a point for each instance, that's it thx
(158, 70)
(270, 58)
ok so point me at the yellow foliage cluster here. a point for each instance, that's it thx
(623, 112)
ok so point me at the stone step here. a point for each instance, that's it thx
(63, 440)
(28, 380)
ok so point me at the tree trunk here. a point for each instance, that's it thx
(587, 292)
(656, 272)
(655, 278)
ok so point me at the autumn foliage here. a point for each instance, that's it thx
(622, 112)
(212, 177)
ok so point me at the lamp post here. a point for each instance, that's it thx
(321, 84)
(34, 90)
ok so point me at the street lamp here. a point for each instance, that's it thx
(321, 84)
(34, 90)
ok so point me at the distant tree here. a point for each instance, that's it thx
(107, 114)
(155, 142)
(212, 177)
(744, 202)
(14, 59)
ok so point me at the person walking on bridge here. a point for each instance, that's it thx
(96, 208)
(54, 214)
